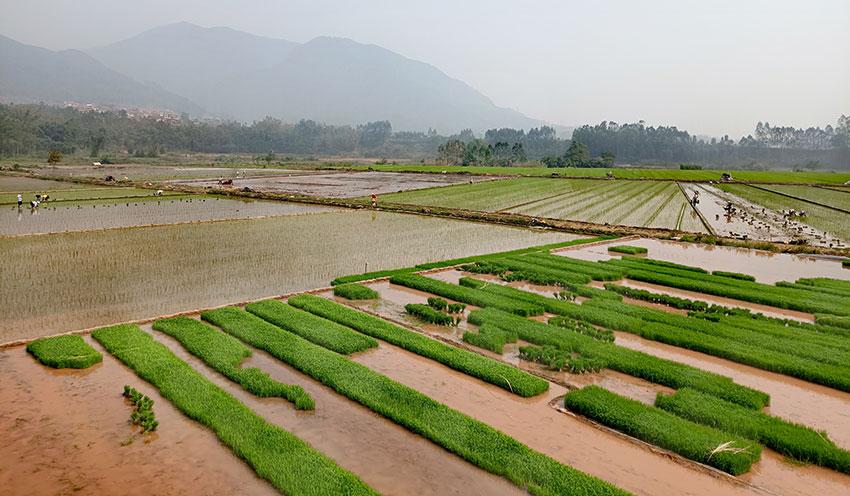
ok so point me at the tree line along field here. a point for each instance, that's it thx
(634, 203)
(340, 339)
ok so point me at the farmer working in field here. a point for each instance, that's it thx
(20, 200)
(374, 200)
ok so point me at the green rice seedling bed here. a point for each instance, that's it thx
(332, 336)
(628, 250)
(697, 442)
(354, 291)
(524, 264)
(497, 373)
(792, 440)
(833, 320)
(142, 415)
(538, 278)
(464, 436)
(428, 314)
(64, 352)
(825, 282)
(596, 271)
(560, 360)
(224, 354)
(490, 338)
(671, 301)
(634, 363)
(820, 289)
(733, 275)
(465, 295)
(437, 303)
(291, 465)
(813, 363)
(767, 294)
(465, 260)
(791, 330)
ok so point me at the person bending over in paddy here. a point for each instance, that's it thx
(20, 200)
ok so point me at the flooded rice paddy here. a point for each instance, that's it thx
(765, 266)
(146, 172)
(130, 212)
(343, 184)
(72, 281)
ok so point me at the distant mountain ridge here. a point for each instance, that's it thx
(227, 73)
(30, 74)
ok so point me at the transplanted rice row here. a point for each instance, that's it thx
(224, 353)
(472, 440)
(635, 363)
(291, 465)
(61, 352)
(330, 335)
(792, 440)
(697, 442)
(497, 373)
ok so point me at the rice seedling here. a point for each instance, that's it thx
(536, 277)
(635, 363)
(354, 291)
(497, 373)
(490, 338)
(460, 434)
(603, 334)
(597, 272)
(330, 335)
(288, 463)
(142, 415)
(833, 320)
(672, 301)
(825, 282)
(455, 308)
(465, 295)
(628, 250)
(821, 289)
(560, 360)
(428, 314)
(61, 352)
(694, 441)
(733, 275)
(224, 353)
(437, 303)
(793, 440)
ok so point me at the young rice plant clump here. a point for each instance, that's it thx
(142, 415)
(60, 352)
(353, 291)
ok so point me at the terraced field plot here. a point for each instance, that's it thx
(57, 217)
(833, 222)
(633, 203)
(124, 274)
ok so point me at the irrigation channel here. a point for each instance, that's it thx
(39, 407)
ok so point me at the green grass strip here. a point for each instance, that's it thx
(224, 354)
(460, 434)
(697, 442)
(833, 320)
(733, 275)
(354, 291)
(64, 352)
(428, 314)
(332, 336)
(464, 260)
(825, 282)
(493, 371)
(792, 440)
(628, 250)
(291, 465)
(630, 362)
(466, 295)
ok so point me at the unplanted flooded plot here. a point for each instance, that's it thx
(134, 212)
(11, 186)
(342, 184)
(95, 278)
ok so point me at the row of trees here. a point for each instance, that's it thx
(37, 129)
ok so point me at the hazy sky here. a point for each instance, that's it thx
(709, 66)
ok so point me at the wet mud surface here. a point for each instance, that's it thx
(345, 184)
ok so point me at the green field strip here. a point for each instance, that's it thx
(460, 434)
(492, 371)
(288, 463)
(798, 198)
(224, 354)
(787, 438)
(727, 452)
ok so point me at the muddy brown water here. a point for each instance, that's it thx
(62, 433)
(389, 458)
(765, 266)
(346, 184)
